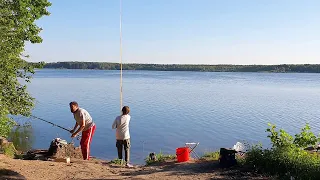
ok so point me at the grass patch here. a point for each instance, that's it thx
(211, 156)
(117, 162)
(18, 156)
(284, 162)
(287, 158)
(9, 150)
(160, 158)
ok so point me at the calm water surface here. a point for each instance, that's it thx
(171, 108)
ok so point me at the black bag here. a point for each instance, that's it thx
(227, 157)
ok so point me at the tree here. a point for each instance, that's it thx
(17, 26)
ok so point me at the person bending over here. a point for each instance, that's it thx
(86, 126)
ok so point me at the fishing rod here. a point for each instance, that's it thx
(35, 117)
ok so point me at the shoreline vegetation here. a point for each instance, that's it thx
(282, 68)
(290, 157)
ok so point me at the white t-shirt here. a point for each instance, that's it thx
(121, 124)
(81, 114)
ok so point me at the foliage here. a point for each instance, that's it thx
(305, 138)
(279, 139)
(286, 158)
(160, 158)
(6, 123)
(284, 163)
(38, 65)
(211, 155)
(9, 150)
(21, 136)
(17, 26)
(304, 68)
(282, 139)
(117, 161)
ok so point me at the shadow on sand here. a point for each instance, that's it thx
(10, 175)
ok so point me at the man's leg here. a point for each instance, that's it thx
(119, 145)
(93, 129)
(85, 142)
(82, 143)
(127, 149)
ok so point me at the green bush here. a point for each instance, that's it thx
(286, 158)
(211, 155)
(18, 27)
(305, 138)
(9, 150)
(282, 139)
(279, 139)
(284, 162)
(6, 123)
(160, 158)
(117, 162)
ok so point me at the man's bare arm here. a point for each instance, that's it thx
(82, 125)
(75, 127)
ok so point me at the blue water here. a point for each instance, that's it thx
(171, 108)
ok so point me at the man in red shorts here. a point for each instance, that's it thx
(86, 126)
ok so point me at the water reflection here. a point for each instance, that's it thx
(22, 137)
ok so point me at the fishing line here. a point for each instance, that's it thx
(53, 124)
(35, 117)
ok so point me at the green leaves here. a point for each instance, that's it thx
(287, 158)
(282, 139)
(305, 138)
(160, 157)
(6, 123)
(17, 24)
(279, 139)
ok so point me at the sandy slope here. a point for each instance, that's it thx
(96, 169)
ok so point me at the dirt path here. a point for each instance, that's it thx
(96, 169)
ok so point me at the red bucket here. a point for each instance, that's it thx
(183, 154)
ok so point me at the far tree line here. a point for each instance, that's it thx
(283, 68)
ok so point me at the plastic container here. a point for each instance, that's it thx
(239, 147)
(183, 154)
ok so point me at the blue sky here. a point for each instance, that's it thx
(181, 31)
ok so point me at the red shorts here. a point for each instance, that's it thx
(86, 141)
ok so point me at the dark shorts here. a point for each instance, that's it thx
(125, 143)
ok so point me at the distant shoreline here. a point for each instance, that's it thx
(283, 68)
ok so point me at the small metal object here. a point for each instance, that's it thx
(79, 137)
(192, 147)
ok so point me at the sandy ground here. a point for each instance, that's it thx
(97, 169)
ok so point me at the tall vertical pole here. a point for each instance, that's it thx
(120, 55)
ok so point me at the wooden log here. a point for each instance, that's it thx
(64, 160)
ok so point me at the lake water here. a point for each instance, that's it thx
(169, 109)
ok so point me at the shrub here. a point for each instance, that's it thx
(286, 158)
(117, 161)
(211, 155)
(8, 149)
(160, 158)
(6, 123)
(305, 138)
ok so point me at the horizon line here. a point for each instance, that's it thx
(178, 63)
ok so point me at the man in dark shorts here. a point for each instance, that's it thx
(121, 124)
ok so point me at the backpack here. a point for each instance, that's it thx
(227, 157)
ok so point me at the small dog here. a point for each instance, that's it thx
(152, 156)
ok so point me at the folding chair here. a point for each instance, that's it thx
(192, 146)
